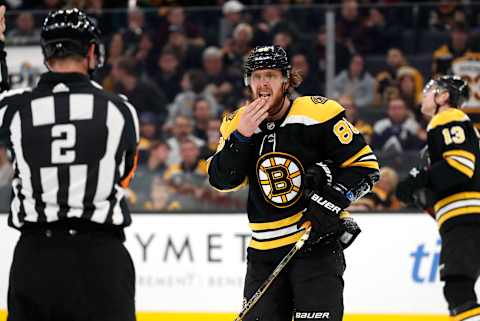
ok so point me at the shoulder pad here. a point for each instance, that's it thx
(311, 110)
(447, 116)
(230, 122)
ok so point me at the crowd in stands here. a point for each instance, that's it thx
(181, 68)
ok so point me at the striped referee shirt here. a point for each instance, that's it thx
(73, 147)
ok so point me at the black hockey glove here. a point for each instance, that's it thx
(417, 179)
(325, 203)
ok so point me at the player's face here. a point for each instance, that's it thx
(270, 84)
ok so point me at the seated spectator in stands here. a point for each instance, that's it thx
(350, 28)
(148, 133)
(387, 79)
(142, 94)
(382, 197)
(351, 111)
(410, 89)
(286, 40)
(177, 20)
(342, 56)
(310, 85)
(190, 56)
(398, 132)
(232, 16)
(182, 130)
(154, 167)
(168, 74)
(201, 116)
(194, 86)
(223, 84)
(114, 52)
(145, 55)
(133, 32)
(236, 49)
(271, 22)
(456, 47)
(188, 177)
(355, 82)
(445, 15)
(162, 197)
(24, 32)
(213, 138)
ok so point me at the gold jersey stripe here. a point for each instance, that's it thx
(457, 212)
(369, 164)
(455, 197)
(364, 151)
(460, 167)
(466, 314)
(276, 224)
(459, 152)
(268, 245)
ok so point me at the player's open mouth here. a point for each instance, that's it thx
(264, 94)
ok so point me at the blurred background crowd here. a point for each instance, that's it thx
(180, 65)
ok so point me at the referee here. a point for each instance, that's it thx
(74, 152)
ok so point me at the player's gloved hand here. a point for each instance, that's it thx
(349, 231)
(325, 203)
(417, 179)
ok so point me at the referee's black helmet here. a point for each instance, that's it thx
(70, 32)
(266, 57)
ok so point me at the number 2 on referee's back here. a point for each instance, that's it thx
(62, 144)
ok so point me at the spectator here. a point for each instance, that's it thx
(115, 52)
(351, 112)
(188, 177)
(445, 15)
(154, 167)
(176, 20)
(213, 138)
(182, 130)
(350, 28)
(188, 54)
(455, 48)
(398, 132)
(144, 95)
(24, 32)
(201, 116)
(270, 24)
(223, 84)
(410, 89)
(232, 16)
(387, 79)
(237, 48)
(135, 28)
(168, 75)
(148, 134)
(193, 84)
(356, 82)
(310, 85)
(162, 197)
(342, 55)
(145, 56)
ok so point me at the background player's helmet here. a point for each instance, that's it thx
(266, 57)
(70, 32)
(457, 88)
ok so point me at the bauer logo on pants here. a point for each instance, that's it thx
(280, 178)
(312, 315)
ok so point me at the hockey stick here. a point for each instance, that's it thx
(266, 284)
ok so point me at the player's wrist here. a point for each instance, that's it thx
(242, 138)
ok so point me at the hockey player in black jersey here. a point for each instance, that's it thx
(302, 160)
(453, 177)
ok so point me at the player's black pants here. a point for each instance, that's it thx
(310, 287)
(460, 262)
(62, 273)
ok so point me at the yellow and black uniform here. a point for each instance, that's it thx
(273, 163)
(454, 178)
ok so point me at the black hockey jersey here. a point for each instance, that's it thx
(273, 165)
(454, 174)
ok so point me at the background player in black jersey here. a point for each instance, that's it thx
(302, 160)
(453, 179)
(74, 153)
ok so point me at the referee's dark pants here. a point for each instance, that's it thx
(71, 271)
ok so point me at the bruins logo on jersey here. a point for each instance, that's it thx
(319, 99)
(280, 178)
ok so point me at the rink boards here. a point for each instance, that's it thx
(191, 267)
